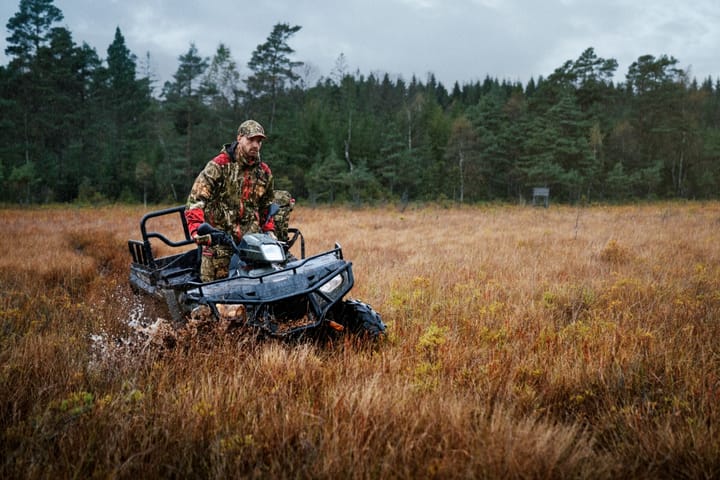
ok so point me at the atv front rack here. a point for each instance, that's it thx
(301, 277)
(305, 289)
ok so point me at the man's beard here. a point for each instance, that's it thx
(246, 156)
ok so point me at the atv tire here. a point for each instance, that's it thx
(360, 319)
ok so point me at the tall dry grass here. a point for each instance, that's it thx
(523, 342)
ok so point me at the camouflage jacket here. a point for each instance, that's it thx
(231, 195)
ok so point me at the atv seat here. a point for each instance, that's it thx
(180, 269)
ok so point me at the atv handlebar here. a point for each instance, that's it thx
(218, 236)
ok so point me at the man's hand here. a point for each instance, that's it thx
(271, 234)
(203, 239)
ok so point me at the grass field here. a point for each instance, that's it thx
(523, 342)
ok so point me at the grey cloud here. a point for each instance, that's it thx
(457, 40)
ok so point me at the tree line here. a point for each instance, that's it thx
(78, 127)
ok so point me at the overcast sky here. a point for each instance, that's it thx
(457, 40)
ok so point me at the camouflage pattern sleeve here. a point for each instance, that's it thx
(200, 194)
(266, 200)
(282, 219)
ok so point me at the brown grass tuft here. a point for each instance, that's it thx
(615, 254)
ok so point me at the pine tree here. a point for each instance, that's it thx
(65, 71)
(463, 156)
(30, 30)
(127, 131)
(184, 101)
(660, 119)
(221, 83)
(273, 70)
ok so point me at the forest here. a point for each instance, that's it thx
(77, 127)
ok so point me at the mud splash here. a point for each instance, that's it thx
(139, 330)
(143, 329)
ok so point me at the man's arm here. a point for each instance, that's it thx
(200, 194)
(265, 202)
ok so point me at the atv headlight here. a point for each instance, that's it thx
(272, 252)
(333, 284)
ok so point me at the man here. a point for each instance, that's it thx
(232, 193)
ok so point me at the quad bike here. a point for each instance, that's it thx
(267, 288)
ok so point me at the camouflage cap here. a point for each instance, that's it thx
(251, 128)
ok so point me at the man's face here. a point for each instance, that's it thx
(250, 146)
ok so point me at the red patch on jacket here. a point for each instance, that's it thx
(222, 159)
(194, 217)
